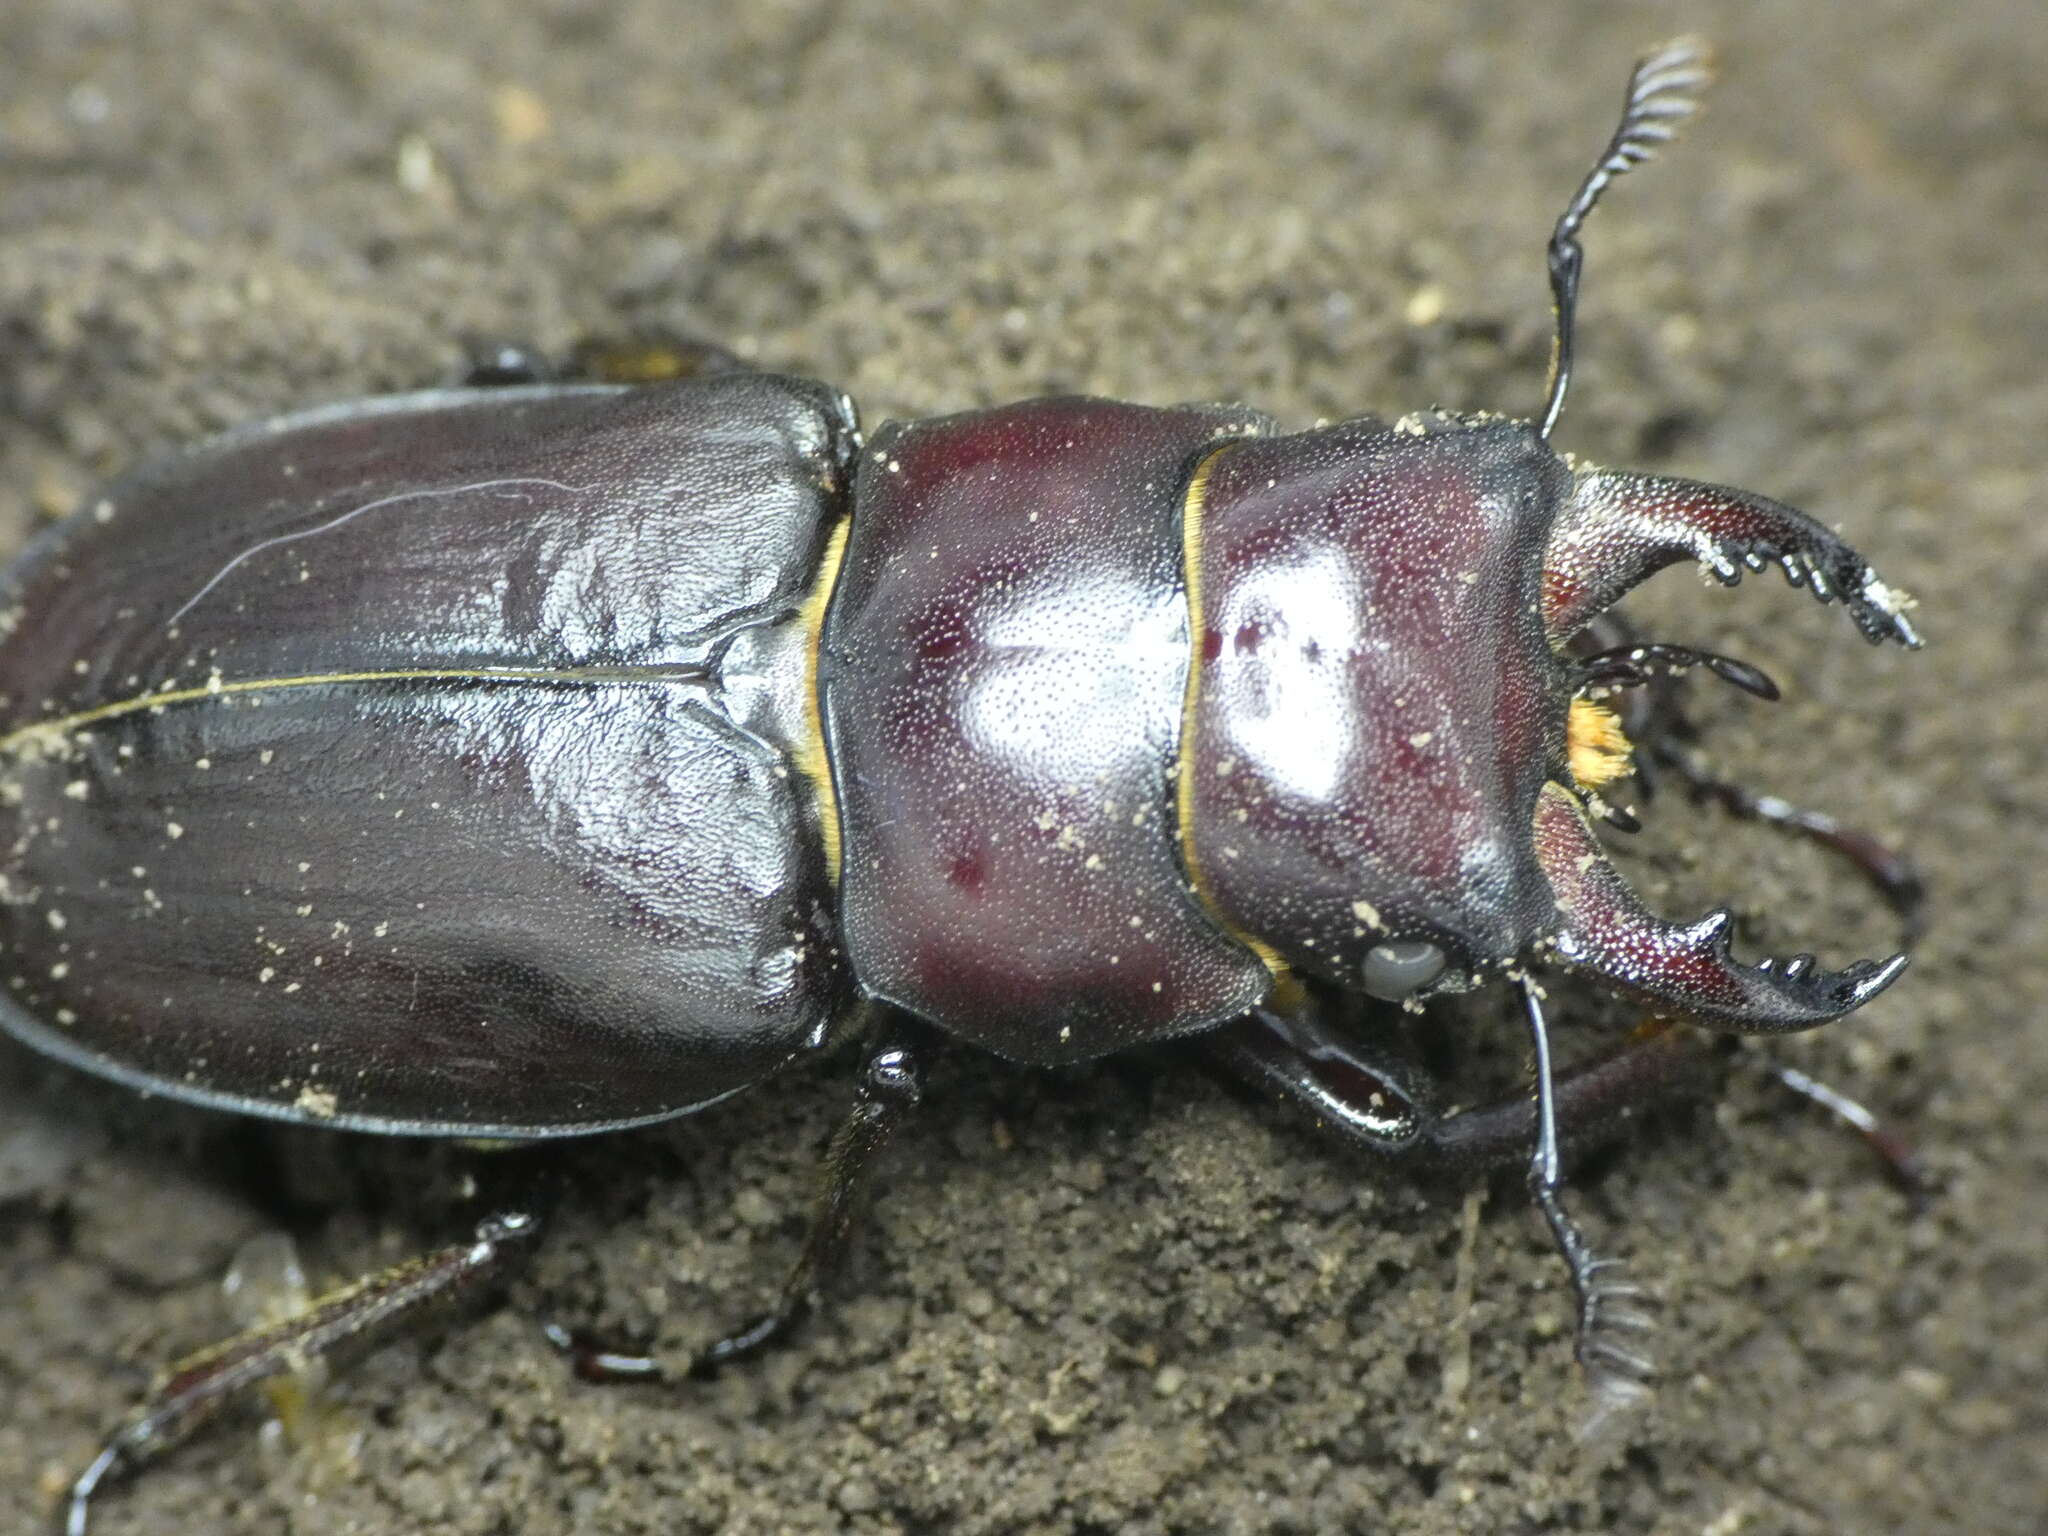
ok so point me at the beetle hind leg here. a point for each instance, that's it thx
(891, 1087)
(196, 1389)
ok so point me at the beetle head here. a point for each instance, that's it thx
(1376, 706)
(1393, 751)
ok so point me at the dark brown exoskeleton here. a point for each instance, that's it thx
(535, 761)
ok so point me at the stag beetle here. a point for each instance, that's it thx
(534, 761)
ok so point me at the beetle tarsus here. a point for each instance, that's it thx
(113, 1457)
(592, 1360)
(752, 1338)
(1897, 1155)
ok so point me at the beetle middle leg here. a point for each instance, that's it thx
(891, 1087)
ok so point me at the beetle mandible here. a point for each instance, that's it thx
(536, 761)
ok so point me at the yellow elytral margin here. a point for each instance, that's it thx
(1285, 986)
(812, 761)
(1596, 748)
(49, 733)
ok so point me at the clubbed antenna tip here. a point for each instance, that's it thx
(1663, 91)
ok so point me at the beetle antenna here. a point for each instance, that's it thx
(1618, 1373)
(1663, 92)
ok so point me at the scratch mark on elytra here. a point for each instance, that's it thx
(355, 512)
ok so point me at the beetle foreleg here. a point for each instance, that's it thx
(1901, 1161)
(1374, 1098)
(358, 1315)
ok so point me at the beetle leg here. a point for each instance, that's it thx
(360, 1314)
(1893, 875)
(1374, 1098)
(1900, 1159)
(891, 1086)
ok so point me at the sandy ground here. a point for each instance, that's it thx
(1124, 1300)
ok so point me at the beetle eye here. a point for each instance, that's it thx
(1400, 969)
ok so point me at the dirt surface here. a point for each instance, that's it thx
(1124, 1299)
